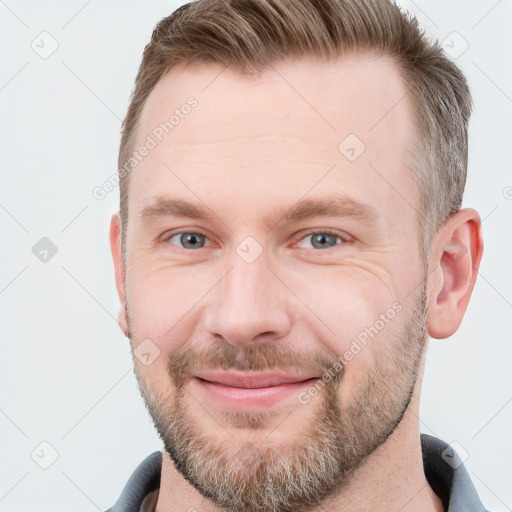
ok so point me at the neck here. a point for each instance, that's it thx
(392, 479)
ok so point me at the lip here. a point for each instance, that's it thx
(246, 391)
(252, 381)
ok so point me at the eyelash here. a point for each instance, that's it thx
(343, 239)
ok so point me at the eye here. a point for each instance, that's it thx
(316, 240)
(320, 240)
(188, 240)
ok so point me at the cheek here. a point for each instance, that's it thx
(338, 306)
(163, 322)
(155, 376)
(163, 304)
(353, 312)
(346, 299)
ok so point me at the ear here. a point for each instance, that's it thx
(120, 271)
(454, 261)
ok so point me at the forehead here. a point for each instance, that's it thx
(283, 128)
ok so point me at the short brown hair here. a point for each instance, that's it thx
(250, 35)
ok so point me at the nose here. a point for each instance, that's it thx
(248, 305)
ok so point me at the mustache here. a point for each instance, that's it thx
(257, 358)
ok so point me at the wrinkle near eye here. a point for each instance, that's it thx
(376, 270)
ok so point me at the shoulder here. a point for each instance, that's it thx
(449, 479)
(144, 480)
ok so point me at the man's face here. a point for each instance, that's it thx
(309, 253)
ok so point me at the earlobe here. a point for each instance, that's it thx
(455, 258)
(119, 267)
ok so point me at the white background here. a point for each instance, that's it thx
(66, 375)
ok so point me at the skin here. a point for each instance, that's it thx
(251, 147)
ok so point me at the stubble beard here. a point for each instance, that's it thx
(313, 468)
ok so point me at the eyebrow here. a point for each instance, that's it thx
(339, 205)
(173, 208)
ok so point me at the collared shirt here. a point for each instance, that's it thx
(443, 469)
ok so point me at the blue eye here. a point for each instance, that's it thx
(315, 240)
(190, 240)
(322, 240)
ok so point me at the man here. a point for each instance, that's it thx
(290, 234)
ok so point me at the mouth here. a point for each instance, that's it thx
(254, 380)
(246, 391)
